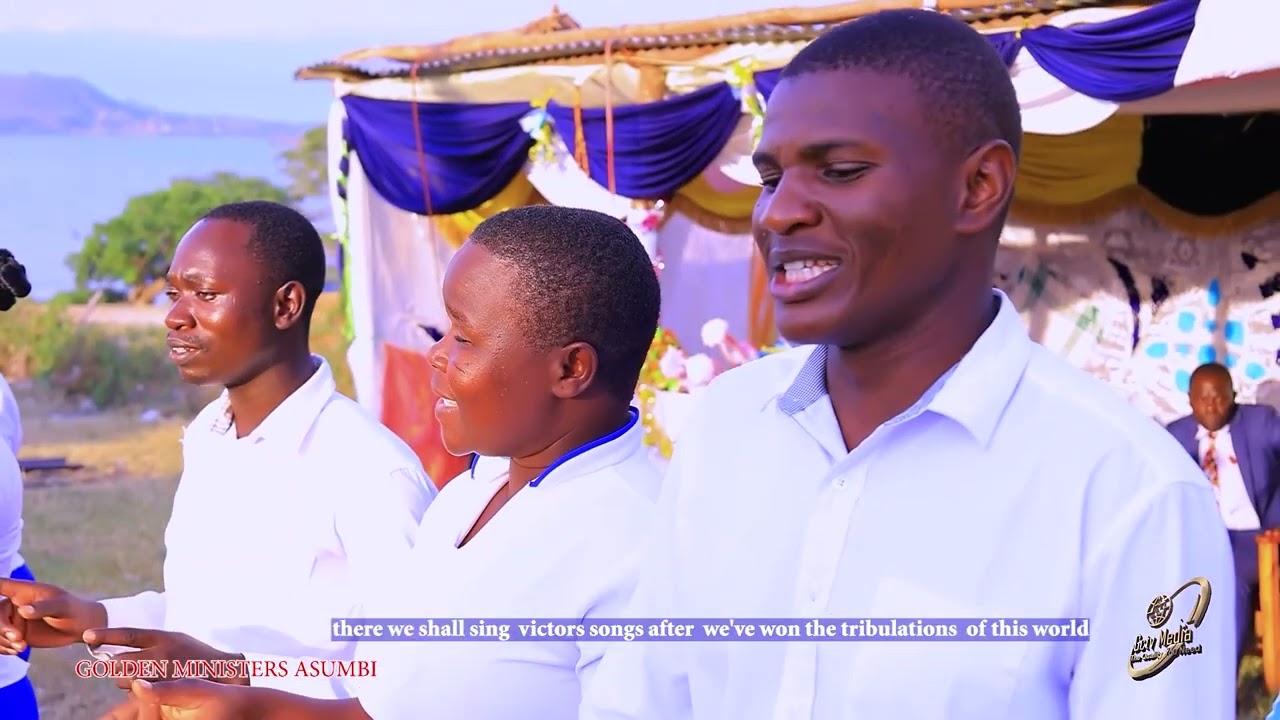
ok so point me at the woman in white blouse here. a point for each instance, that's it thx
(17, 697)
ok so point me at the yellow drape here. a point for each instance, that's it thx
(456, 228)
(736, 205)
(1081, 169)
(1082, 178)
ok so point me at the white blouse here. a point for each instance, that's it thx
(566, 547)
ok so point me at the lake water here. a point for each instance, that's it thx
(53, 189)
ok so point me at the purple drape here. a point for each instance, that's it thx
(471, 151)
(1122, 60)
(658, 147)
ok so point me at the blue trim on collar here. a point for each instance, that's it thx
(635, 417)
(475, 458)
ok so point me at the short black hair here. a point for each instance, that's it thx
(961, 80)
(13, 280)
(285, 243)
(584, 277)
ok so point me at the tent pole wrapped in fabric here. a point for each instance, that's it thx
(1147, 178)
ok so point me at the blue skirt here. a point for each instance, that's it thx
(18, 701)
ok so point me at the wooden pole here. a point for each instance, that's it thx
(1267, 622)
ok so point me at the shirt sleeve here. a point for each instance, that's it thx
(1174, 539)
(144, 610)
(377, 526)
(647, 680)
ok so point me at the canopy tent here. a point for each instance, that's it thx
(1147, 125)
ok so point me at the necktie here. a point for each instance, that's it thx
(1210, 462)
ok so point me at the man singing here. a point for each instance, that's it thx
(291, 498)
(920, 456)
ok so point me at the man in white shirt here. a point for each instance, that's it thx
(922, 458)
(288, 487)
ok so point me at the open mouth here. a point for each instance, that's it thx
(801, 271)
(445, 407)
(181, 353)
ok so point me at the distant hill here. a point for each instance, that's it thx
(37, 104)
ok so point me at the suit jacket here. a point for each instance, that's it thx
(1255, 433)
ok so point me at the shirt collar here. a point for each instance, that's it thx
(291, 421)
(596, 455)
(974, 392)
(1202, 432)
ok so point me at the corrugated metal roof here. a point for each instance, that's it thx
(559, 38)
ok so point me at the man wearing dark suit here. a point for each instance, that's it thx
(1239, 448)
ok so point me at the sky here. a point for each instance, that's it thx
(238, 56)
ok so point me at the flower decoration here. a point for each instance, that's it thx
(672, 363)
(714, 332)
(645, 221)
(698, 371)
(669, 369)
(537, 123)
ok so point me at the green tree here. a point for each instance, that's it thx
(132, 251)
(307, 166)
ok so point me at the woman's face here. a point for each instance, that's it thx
(495, 387)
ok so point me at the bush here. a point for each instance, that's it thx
(114, 365)
(328, 340)
(109, 365)
(32, 339)
(81, 297)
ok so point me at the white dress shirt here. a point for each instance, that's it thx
(1018, 487)
(274, 534)
(12, 669)
(1237, 509)
(565, 548)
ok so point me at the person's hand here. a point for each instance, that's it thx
(182, 700)
(43, 616)
(130, 709)
(169, 647)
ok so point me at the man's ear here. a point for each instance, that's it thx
(989, 174)
(573, 369)
(289, 302)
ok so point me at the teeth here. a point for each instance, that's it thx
(448, 403)
(801, 270)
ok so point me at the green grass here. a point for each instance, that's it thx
(101, 539)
